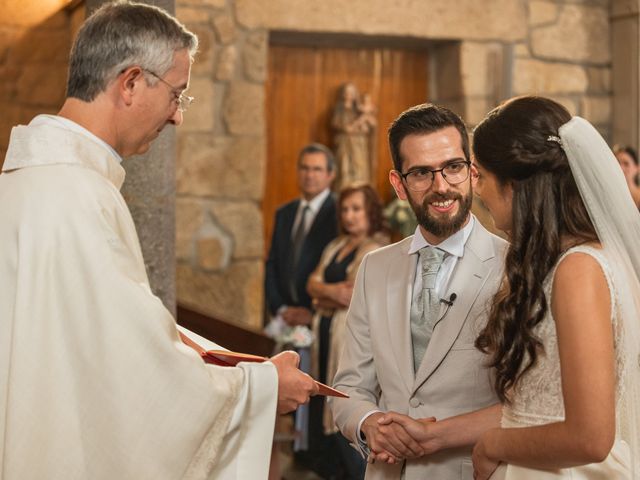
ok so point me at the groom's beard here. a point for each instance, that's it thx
(442, 227)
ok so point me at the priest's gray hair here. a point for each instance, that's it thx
(119, 35)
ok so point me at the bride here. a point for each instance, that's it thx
(563, 332)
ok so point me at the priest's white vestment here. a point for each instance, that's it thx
(94, 380)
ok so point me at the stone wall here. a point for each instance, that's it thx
(35, 38)
(481, 53)
(220, 171)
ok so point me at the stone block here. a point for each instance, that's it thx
(243, 220)
(580, 34)
(481, 66)
(210, 253)
(192, 15)
(255, 56)
(189, 219)
(200, 164)
(226, 65)
(235, 295)
(599, 79)
(596, 109)
(499, 19)
(244, 109)
(202, 3)
(246, 161)
(476, 109)
(541, 13)
(534, 76)
(219, 167)
(201, 114)
(41, 46)
(215, 3)
(203, 64)
(570, 103)
(32, 90)
(521, 50)
(225, 28)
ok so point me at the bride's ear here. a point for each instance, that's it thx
(474, 174)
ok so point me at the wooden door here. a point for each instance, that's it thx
(302, 89)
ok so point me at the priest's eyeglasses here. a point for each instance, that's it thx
(181, 100)
(420, 179)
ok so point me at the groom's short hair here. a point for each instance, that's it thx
(423, 119)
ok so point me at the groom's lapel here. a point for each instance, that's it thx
(467, 279)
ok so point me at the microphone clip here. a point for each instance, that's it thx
(452, 298)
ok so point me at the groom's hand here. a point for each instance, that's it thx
(294, 386)
(389, 442)
(422, 430)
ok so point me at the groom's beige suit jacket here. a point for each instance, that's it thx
(376, 366)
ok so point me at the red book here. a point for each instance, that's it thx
(226, 358)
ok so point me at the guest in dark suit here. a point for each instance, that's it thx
(303, 227)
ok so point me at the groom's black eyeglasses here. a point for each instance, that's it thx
(420, 179)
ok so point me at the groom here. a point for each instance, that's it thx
(417, 308)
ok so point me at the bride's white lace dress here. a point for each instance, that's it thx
(537, 399)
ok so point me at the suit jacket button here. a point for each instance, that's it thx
(414, 402)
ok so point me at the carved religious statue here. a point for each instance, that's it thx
(354, 123)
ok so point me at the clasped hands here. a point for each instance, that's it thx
(392, 437)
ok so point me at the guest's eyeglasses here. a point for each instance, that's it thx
(181, 100)
(420, 179)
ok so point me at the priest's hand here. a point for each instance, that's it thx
(294, 386)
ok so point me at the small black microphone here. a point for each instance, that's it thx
(452, 298)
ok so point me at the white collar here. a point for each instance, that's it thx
(453, 245)
(316, 202)
(62, 122)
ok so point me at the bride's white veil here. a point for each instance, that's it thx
(616, 219)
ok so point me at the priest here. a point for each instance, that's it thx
(95, 381)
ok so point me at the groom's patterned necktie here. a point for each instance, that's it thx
(425, 304)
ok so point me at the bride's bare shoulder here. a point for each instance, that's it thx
(580, 278)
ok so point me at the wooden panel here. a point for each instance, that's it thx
(302, 88)
(225, 334)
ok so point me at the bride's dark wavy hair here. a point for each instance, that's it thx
(547, 211)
